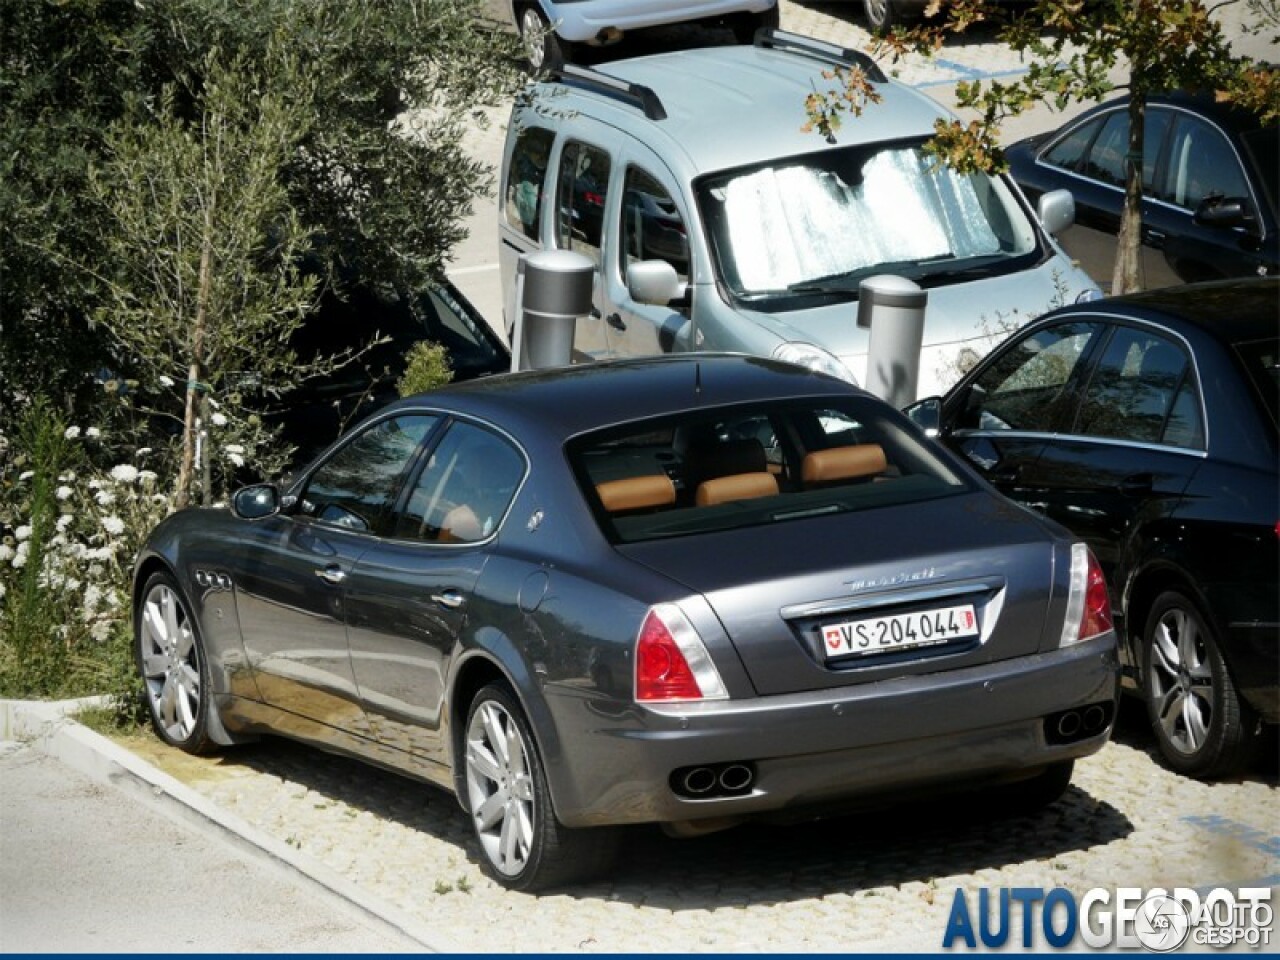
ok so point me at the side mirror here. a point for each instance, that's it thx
(1056, 210)
(256, 502)
(926, 414)
(1224, 212)
(654, 282)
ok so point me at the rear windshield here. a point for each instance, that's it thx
(1262, 362)
(754, 465)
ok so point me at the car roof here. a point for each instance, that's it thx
(565, 401)
(732, 106)
(1240, 310)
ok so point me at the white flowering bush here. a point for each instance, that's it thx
(69, 531)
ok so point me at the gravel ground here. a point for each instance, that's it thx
(877, 881)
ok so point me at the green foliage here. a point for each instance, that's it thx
(427, 367)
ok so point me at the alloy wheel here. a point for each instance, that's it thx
(170, 663)
(533, 32)
(1181, 680)
(500, 787)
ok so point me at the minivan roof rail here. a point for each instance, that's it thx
(635, 94)
(776, 39)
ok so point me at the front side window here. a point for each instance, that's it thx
(1139, 392)
(581, 191)
(1098, 148)
(753, 465)
(464, 489)
(651, 228)
(1201, 162)
(356, 487)
(819, 223)
(1025, 389)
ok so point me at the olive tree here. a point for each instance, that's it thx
(1072, 48)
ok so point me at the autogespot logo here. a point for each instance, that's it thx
(1127, 918)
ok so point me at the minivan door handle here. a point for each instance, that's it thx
(615, 320)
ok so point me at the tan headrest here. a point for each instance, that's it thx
(636, 493)
(739, 486)
(843, 463)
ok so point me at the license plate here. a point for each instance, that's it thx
(899, 631)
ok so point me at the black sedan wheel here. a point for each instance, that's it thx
(525, 847)
(1203, 728)
(175, 672)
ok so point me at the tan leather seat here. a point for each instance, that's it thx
(839, 464)
(739, 486)
(636, 493)
(461, 525)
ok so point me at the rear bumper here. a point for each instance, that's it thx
(811, 750)
(1253, 657)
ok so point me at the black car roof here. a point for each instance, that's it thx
(1232, 311)
(569, 400)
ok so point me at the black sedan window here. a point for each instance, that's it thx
(356, 486)
(1142, 391)
(1201, 162)
(754, 465)
(1025, 389)
(464, 489)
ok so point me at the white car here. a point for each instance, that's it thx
(552, 28)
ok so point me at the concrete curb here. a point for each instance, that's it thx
(50, 727)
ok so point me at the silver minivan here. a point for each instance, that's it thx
(716, 223)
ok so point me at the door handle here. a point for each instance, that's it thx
(1153, 238)
(1137, 483)
(332, 574)
(449, 599)
(615, 320)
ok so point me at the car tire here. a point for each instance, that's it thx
(522, 844)
(882, 15)
(543, 47)
(172, 662)
(1202, 726)
(745, 25)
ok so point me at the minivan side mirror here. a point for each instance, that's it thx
(257, 502)
(654, 282)
(1056, 210)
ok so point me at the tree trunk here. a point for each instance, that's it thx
(195, 384)
(1127, 276)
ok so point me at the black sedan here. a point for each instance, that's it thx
(1210, 183)
(681, 590)
(1147, 424)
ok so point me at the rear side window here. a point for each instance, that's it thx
(526, 179)
(1142, 391)
(754, 465)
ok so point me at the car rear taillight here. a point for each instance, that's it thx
(672, 664)
(1088, 603)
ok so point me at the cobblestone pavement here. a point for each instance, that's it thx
(876, 881)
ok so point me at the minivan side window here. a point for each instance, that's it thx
(581, 191)
(528, 173)
(652, 228)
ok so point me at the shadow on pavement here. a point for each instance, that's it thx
(923, 842)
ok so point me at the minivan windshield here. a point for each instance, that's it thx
(821, 222)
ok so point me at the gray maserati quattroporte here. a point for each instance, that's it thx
(684, 590)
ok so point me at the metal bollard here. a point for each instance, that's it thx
(553, 289)
(893, 308)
